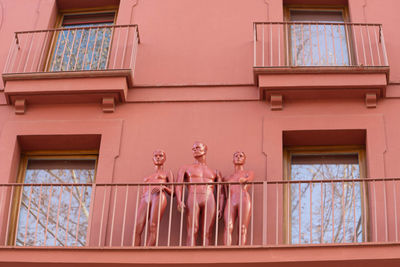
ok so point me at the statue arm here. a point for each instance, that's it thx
(170, 179)
(178, 188)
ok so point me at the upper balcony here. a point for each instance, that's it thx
(314, 222)
(71, 64)
(319, 60)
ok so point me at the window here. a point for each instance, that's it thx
(53, 205)
(330, 211)
(83, 42)
(318, 37)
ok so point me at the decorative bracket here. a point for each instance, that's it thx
(276, 102)
(108, 104)
(370, 100)
(20, 105)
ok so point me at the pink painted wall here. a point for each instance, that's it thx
(194, 81)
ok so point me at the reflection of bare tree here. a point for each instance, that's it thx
(54, 215)
(329, 211)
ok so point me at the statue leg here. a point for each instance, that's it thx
(140, 220)
(156, 209)
(192, 221)
(209, 220)
(246, 214)
(229, 220)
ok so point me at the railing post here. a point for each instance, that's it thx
(265, 215)
(383, 46)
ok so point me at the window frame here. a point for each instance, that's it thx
(288, 151)
(22, 167)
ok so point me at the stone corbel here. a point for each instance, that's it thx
(20, 105)
(276, 102)
(108, 104)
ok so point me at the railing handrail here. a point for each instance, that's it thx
(79, 28)
(209, 183)
(316, 23)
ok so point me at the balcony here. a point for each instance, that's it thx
(295, 60)
(71, 65)
(314, 222)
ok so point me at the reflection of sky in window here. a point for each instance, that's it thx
(326, 212)
(81, 49)
(62, 210)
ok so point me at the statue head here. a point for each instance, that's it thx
(159, 157)
(199, 149)
(239, 158)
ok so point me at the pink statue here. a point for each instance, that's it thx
(238, 198)
(200, 197)
(153, 200)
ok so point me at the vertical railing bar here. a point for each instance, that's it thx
(34, 56)
(341, 46)
(333, 211)
(72, 48)
(375, 217)
(159, 215)
(93, 49)
(385, 211)
(116, 49)
(113, 216)
(326, 48)
(147, 215)
(265, 213)
(102, 215)
(295, 44)
(170, 214)
(22, 53)
(311, 209)
(377, 47)
(9, 215)
(300, 208)
(194, 212)
(254, 45)
(395, 210)
(79, 49)
(370, 46)
(322, 213)
(205, 218)
(287, 44)
(241, 212)
(68, 215)
(37, 217)
(365, 211)
(27, 217)
(289, 215)
(16, 228)
(29, 50)
(91, 211)
(84, 57)
(348, 44)
(302, 42)
(333, 45)
(216, 217)
(343, 213)
(126, 45)
(79, 214)
(124, 217)
(10, 51)
(58, 215)
(277, 214)
(363, 45)
(47, 215)
(319, 48)
(14, 56)
(58, 39)
(136, 214)
(101, 47)
(40, 61)
(270, 45)
(182, 211)
(383, 46)
(252, 215)
(110, 48)
(279, 44)
(134, 50)
(227, 226)
(354, 214)
(311, 46)
(263, 45)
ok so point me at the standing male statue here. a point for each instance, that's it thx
(239, 202)
(153, 201)
(200, 197)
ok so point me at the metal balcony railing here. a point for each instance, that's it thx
(72, 49)
(318, 44)
(339, 211)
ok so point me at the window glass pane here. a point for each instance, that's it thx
(326, 212)
(322, 44)
(55, 215)
(82, 49)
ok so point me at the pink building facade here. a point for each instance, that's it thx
(308, 89)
